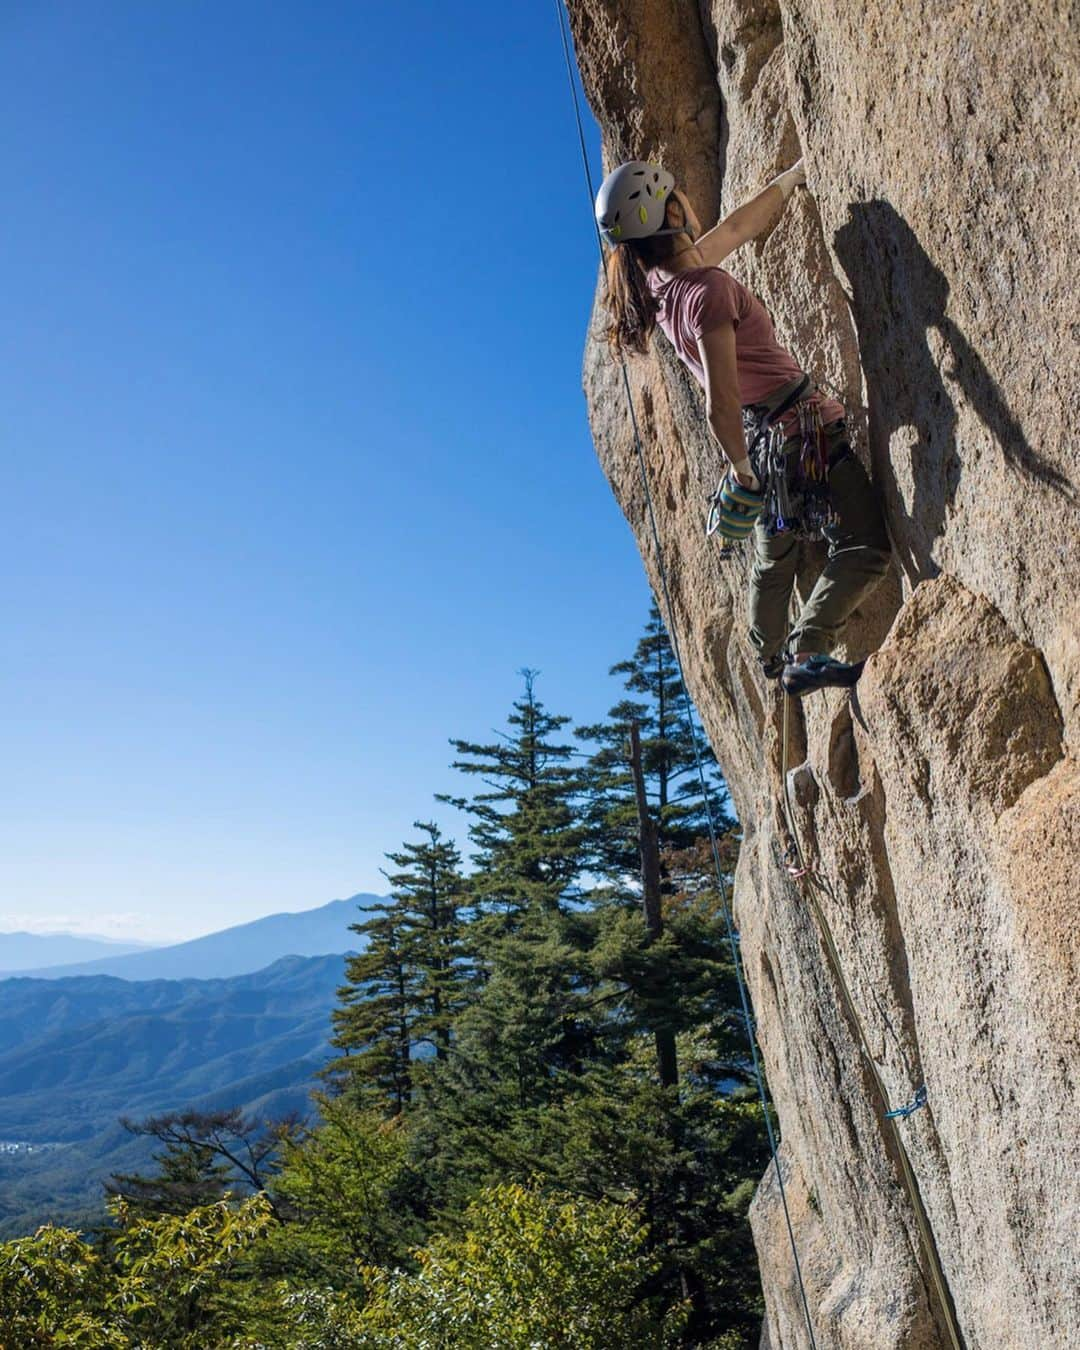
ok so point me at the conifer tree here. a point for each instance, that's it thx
(372, 1020)
(526, 827)
(646, 808)
(409, 983)
(683, 1136)
(206, 1154)
(429, 894)
(527, 1028)
(189, 1174)
(692, 1151)
(658, 705)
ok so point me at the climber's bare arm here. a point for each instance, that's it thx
(750, 220)
(723, 409)
(753, 218)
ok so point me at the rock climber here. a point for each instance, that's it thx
(798, 478)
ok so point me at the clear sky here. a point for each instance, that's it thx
(294, 299)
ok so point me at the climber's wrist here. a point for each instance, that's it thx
(743, 472)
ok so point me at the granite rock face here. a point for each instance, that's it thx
(928, 275)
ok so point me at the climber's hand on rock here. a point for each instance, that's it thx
(790, 179)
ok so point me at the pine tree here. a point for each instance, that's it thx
(683, 1137)
(429, 894)
(667, 754)
(527, 1030)
(189, 1174)
(691, 1152)
(206, 1154)
(373, 1023)
(405, 989)
(526, 828)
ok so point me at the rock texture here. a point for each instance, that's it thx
(929, 275)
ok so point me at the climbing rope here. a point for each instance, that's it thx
(669, 619)
(816, 881)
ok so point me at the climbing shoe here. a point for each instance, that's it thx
(818, 672)
(773, 667)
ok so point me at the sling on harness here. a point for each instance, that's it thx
(793, 472)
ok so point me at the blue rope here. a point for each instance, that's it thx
(733, 939)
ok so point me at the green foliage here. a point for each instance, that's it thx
(373, 1023)
(189, 1174)
(688, 1158)
(312, 1318)
(528, 1031)
(166, 1282)
(528, 1270)
(346, 1184)
(207, 1155)
(683, 981)
(54, 1291)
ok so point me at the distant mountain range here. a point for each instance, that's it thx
(237, 1018)
(25, 951)
(239, 950)
(77, 1053)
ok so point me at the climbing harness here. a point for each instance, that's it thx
(805, 873)
(793, 472)
(815, 882)
(669, 620)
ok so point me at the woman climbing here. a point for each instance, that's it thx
(798, 479)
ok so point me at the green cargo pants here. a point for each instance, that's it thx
(858, 559)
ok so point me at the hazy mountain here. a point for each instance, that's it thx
(233, 951)
(25, 951)
(78, 1053)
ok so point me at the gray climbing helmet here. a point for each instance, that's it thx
(631, 201)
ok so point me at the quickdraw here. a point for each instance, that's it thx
(794, 471)
(916, 1103)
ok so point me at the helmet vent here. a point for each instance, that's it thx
(635, 194)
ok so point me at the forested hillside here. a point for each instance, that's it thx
(77, 1054)
(538, 1126)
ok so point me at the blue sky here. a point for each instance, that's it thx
(294, 304)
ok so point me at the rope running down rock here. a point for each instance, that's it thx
(815, 881)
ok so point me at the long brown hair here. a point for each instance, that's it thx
(631, 305)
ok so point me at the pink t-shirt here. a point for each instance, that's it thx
(693, 302)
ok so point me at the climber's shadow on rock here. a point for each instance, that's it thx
(898, 297)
